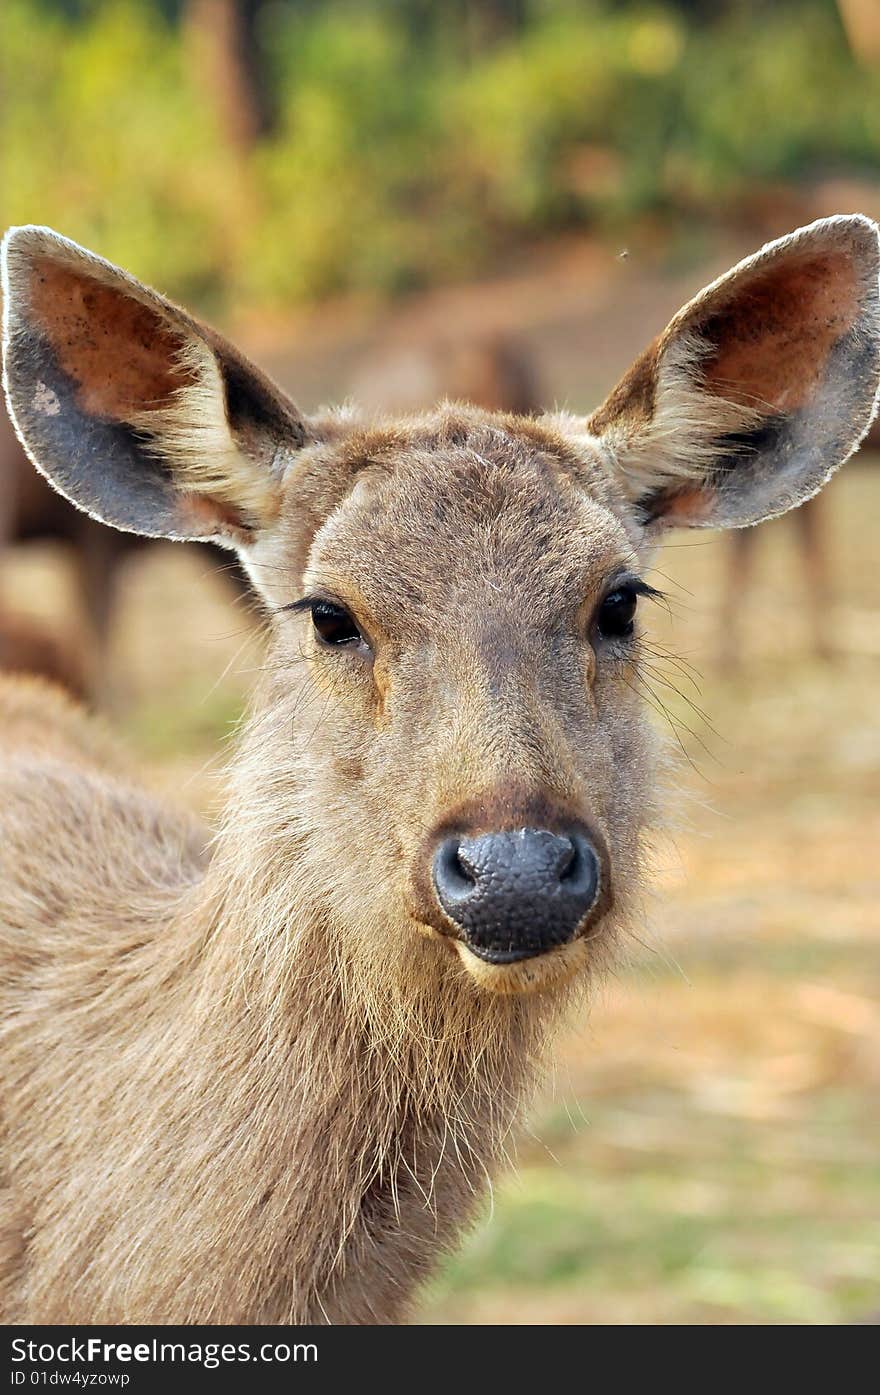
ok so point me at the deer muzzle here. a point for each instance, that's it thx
(518, 893)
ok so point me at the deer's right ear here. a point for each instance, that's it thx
(758, 389)
(139, 415)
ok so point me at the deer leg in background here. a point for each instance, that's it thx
(812, 525)
(97, 560)
(739, 566)
(27, 645)
(12, 461)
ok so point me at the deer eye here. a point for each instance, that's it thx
(614, 618)
(334, 625)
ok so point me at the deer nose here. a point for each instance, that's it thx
(516, 894)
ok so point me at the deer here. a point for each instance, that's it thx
(266, 1073)
(486, 368)
(32, 511)
(812, 523)
(26, 647)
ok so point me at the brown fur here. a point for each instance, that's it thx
(254, 1076)
(85, 325)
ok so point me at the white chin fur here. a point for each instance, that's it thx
(535, 975)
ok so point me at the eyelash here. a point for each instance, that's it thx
(622, 596)
(333, 623)
(336, 628)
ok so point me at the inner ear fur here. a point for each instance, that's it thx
(135, 411)
(759, 388)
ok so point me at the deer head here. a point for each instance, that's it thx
(452, 597)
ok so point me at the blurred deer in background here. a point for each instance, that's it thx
(26, 647)
(32, 511)
(494, 371)
(266, 1077)
(812, 523)
(488, 368)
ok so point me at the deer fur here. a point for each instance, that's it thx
(254, 1075)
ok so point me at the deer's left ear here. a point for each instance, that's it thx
(133, 410)
(759, 387)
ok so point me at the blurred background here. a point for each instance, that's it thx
(504, 200)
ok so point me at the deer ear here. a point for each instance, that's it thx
(139, 415)
(759, 387)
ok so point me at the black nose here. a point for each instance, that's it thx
(516, 894)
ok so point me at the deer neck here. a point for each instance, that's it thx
(351, 1130)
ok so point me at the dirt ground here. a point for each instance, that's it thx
(707, 1150)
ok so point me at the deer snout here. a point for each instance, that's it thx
(517, 894)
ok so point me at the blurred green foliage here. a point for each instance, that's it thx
(404, 149)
